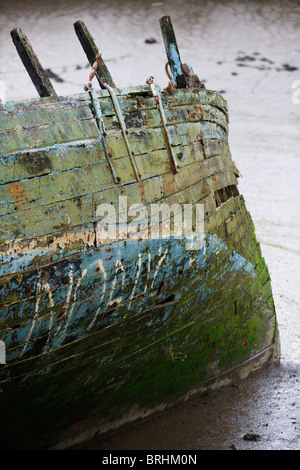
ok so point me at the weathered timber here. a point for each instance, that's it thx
(32, 64)
(105, 327)
(172, 51)
(91, 50)
(33, 112)
(77, 122)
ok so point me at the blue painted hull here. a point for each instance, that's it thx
(104, 286)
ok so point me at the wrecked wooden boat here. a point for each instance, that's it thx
(100, 328)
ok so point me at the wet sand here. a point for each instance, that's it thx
(250, 52)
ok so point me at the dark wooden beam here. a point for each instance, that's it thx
(32, 64)
(91, 50)
(172, 51)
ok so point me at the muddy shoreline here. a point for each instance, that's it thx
(259, 413)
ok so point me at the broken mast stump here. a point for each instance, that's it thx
(32, 64)
(91, 51)
(172, 51)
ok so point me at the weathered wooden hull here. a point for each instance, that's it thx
(99, 334)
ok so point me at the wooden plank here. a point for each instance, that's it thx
(213, 147)
(172, 51)
(40, 221)
(55, 169)
(131, 102)
(44, 136)
(91, 50)
(53, 186)
(32, 64)
(32, 162)
(25, 113)
(61, 157)
(29, 131)
(31, 113)
(43, 220)
(42, 161)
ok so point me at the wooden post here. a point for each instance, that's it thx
(172, 51)
(91, 51)
(32, 64)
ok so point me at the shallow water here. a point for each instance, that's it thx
(250, 51)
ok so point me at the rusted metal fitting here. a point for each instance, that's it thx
(150, 81)
(93, 71)
(170, 84)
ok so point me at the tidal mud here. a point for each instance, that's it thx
(259, 413)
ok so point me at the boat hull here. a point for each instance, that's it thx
(102, 333)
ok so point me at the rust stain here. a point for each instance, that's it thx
(142, 192)
(61, 314)
(16, 191)
(168, 185)
(134, 408)
(112, 409)
(80, 424)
